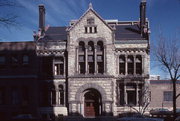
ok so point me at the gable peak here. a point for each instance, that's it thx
(90, 6)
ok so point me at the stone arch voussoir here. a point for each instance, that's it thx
(93, 86)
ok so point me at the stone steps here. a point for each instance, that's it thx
(102, 118)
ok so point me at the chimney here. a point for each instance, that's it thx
(142, 15)
(41, 18)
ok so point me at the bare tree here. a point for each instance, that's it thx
(144, 100)
(167, 54)
(9, 19)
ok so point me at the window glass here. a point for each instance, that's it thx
(25, 59)
(59, 66)
(2, 95)
(168, 96)
(90, 58)
(2, 59)
(15, 96)
(14, 60)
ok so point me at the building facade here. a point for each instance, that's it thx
(92, 67)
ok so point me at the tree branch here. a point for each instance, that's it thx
(177, 95)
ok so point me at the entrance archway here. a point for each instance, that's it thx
(92, 103)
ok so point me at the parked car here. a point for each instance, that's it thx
(24, 117)
(160, 111)
(139, 119)
(178, 118)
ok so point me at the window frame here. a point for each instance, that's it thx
(168, 96)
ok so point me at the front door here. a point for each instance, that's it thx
(91, 104)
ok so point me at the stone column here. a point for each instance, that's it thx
(95, 59)
(104, 60)
(64, 95)
(126, 65)
(118, 93)
(64, 66)
(57, 97)
(77, 60)
(134, 64)
(125, 94)
(117, 61)
(143, 59)
(137, 94)
(86, 59)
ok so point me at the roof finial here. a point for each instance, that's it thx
(143, 1)
(90, 6)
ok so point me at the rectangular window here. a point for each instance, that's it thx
(95, 29)
(121, 89)
(25, 60)
(15, 96)
(2, 95)
(168, 95)
(81, 58)
(99, 58)
(90, 58)
(91, 67)
(81, 67)
(14, 60)
(58, 66)
(25, 96)
(2, 61)
(100, 67)
(90, 29)
(58, 69)
(86, 31)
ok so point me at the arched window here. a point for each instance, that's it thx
(81, 60)
(100, 57)
(53, 95)
(61, 95)
(89, 60)
(90, 46)
(130, 64)
(138, 64)
(81, 46)
(122, 64)
(90, 57)
(99, 46)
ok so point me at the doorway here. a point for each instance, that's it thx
(92, 103)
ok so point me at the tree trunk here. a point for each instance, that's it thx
(174, 99)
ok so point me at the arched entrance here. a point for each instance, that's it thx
(92, 103)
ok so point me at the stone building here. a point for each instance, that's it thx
(92, 67)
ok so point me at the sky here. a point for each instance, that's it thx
(164, 17)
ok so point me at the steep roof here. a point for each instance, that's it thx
(56, 33)
(122, 32)
(128, 32)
